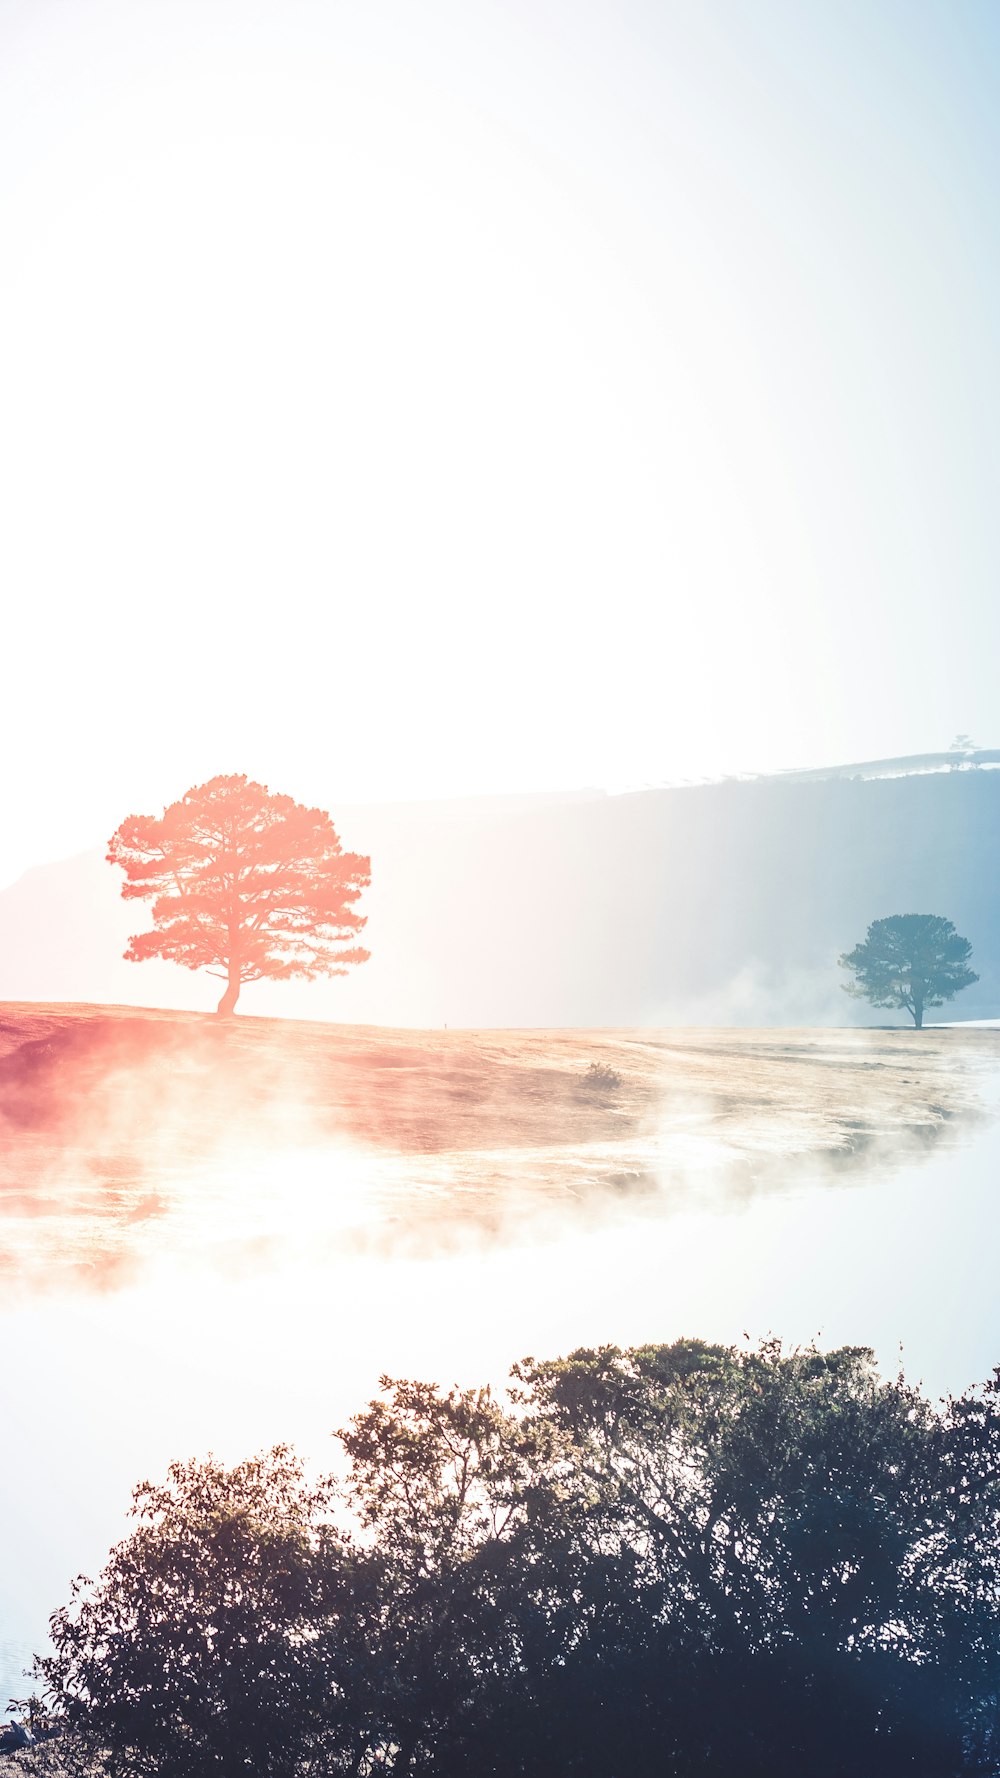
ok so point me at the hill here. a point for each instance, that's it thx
(711, 904)
(120, 1130)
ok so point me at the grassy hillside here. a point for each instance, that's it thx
(115, 1121)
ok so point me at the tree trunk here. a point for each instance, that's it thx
(918, 1011)
(227, 1004)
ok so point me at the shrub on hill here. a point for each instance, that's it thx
(601, 1079)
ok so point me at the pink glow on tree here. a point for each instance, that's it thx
(244, 884)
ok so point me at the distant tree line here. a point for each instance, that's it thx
(669, 1561)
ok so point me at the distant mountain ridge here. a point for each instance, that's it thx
(723, 903)
(907, 765)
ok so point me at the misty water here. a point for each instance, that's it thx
(223, 1345)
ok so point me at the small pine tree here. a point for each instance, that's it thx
(909, 960)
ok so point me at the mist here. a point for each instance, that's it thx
(276, 1276)
(215, 1235)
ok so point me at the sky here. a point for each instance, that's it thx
(407, 401)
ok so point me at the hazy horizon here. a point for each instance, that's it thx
(563, 793)
(490, 398)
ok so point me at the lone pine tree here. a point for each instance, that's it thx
(244, 884)
(911, 961)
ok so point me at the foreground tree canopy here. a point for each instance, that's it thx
(912, 961)
(244, 884)
(658, 1563)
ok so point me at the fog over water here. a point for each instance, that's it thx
(263, 1310)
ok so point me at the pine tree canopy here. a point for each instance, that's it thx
(244, 884)
(911, 961)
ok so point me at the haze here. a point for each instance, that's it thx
(413, 401)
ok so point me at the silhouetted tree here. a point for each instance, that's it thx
(783, 1576)
(244, 884)
(678, 1561)
(196, 1655)
(473, 1589)
(909, 960)
(963, 748)
(684, 1560)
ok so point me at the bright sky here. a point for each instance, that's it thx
(411, 400)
